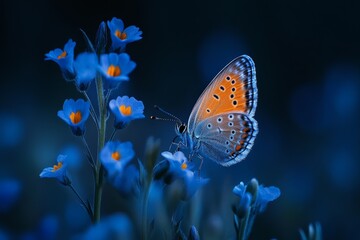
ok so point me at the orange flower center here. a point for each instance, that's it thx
(116, 156)
(126, 111)
(120, 35)
(57, 167)
(62, 55)
(75, 117)
(184, 166)
(113, 71)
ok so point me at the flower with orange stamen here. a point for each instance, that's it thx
(58, 171)
(115, 68)
(116, 155)
(126, 109)
(176, 168)
(75, 114)
(121, 36)
(65, 59)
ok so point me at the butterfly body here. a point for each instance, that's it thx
(221, 126)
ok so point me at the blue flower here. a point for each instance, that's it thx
(120, 36)
(85, 67)
(253, 200)
(58, 171)
(75, 114)
(176, 168)
(115, 68)
(64, 58)
(245, 200)
(126, 180)
(193, 234)
(116, 226)
(9, 193)
(49, 227)
(266, 195)
(260, 195)
(126, 109)
(115, 155)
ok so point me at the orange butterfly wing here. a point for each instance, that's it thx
(232, 90)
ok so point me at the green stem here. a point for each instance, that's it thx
(244, 222)
(101, 143)
(144, 221)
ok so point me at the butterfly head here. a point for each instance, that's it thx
(180, 128)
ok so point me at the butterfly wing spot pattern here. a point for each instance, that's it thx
(221, 126)
(226, 143)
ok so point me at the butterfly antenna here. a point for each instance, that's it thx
(174, 118)
(163, 119)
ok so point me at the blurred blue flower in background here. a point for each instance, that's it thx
(115, 68)
(74, 156)
(58, 171)
(75, 115)
(46, 229)
(75, 217)
(177, 168)
(85, 67)
(126, 109)
(221, 45)
(9, 193)
(342, 90)
(49, 227)
(320, 107)
(266, 195)
(64, 58)
(11, 130)
(116, 226)
(115, 155)
(120, 36)
(126, 181)
(3, 235)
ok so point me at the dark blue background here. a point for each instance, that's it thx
(307, 62)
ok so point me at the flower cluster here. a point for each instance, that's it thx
(107, 69)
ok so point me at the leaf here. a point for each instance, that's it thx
(88, 42)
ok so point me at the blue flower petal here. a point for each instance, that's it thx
(133, 109)
(70, 107)
(116, 155)
(64, 58)
(123, 65)
(266, 195)
(9, 193)
(58, 171)
(132, 33)
(85, 67)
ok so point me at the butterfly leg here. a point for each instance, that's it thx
(174, 143)
(201, 163)
(178, 145)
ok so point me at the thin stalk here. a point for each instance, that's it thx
(88, 151)
(244, 222)
(144, 206)
(113, 134)
(92, 110)
(88, 210)
(99, 169)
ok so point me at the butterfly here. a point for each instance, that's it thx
(221, 126)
